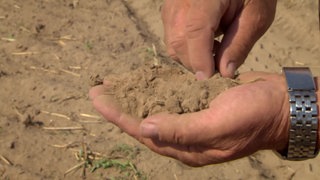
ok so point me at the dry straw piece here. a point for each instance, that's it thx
(90, 122)
(4, 159)
(74, 168)
(8, 39)
(43, 69)
(89, 116)
(70, 72)
(56, 114)
(63, 128)
(24, 53)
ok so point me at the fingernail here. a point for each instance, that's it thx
(149, 130)
(231, 68)
(200, 76)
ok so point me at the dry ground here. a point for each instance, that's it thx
(52, 51)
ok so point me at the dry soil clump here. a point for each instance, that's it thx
(153, 89)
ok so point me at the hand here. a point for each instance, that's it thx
(190, 26)
(239, 122)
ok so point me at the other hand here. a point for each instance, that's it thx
(191, 25)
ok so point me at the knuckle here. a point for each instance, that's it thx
(177, 43)
(178, 137)
(172, 54)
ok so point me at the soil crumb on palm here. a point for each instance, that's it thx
(150, 89)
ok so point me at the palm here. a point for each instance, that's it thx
(239, 122)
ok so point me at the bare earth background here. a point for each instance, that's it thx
(53, 51)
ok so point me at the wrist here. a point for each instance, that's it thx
(285, 118)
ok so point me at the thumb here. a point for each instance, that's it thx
(178, 129)
(244, 31)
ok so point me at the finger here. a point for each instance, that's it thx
(200, 43)
(241, 35)
(166, 12)
(202, 22)
(185, 129)
(111, 111)
(173, 17)
(177, 43)
(96, 91)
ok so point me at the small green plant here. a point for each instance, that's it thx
(124, 150)
(149, 51)
(120, 159)
(108, 163)
(10, 38)
(88, 45)
(127, 168)
(152, 53)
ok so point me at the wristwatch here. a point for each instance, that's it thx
(303, 132)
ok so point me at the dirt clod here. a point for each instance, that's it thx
(148, 91)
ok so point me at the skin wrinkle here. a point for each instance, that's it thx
(200, 158)
(188, 154)
(226, 155)
(177, 43)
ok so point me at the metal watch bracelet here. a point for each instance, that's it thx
(303, 133)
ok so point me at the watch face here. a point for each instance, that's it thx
(299, 78)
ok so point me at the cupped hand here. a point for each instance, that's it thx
(191, 25)
(239, 122)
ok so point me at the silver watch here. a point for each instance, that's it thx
(303, 133)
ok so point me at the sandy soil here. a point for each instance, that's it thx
(51, 52)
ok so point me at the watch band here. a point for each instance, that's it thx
(303, 133)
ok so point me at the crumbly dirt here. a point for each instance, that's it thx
(52, 51)
(153, 89)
